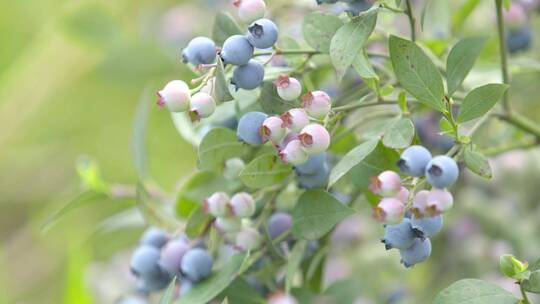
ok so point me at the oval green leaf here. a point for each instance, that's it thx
(480, 100)
(316, 213)
(217, 146)
(477, 163)
(271, 102)
(417, 73)
(221, 90)
(469, 291)
(461, 60)
(350, 160)
(224, 27)
(319, 28)
(399, 134)
(263, 171)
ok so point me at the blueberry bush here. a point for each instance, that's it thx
(284, 157)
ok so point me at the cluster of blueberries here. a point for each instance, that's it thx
(409, 226)
(161, 257)
(519, 34)
(353, 6)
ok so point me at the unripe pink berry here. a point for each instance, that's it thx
(317, 104)
(403, 195)
(314, 138)
(202, 106)
(295, 119)
(217, 204)
(242, 205)
(515, 17)
(228, 224)
(175, 95)
(439, 201)
(272, 129)
(286, 140)
(250, 10)
(288, 88)
(389, 210)
(248, 239)
(386, 184)
(293, 153)
(419, 204)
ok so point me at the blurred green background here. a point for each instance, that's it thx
(71, 76)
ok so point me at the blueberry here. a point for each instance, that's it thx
(358, 6)
(248, 128)
(317, 180)
(185, 286)
(263, 33)
(200, 50)
(171, 256)
(196, 264)
(278, 224)
(413, 161)
(144, 261)
(519, 40)
(154, 237)
(426, 226)
(248, 76)
(153, 283)
(400, 236)
(418, 252)
(442, 171)
(314, 163)
(236, 50)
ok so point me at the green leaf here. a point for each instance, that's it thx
(417, 73)
(241, 292)
(319, 28)
(380, 159)
(480, 100)
(446, 126)
(293, 263)
(138, 139)
(477, 163)
(460, 15)
(271, 102)
(474, 291)
(343, 291)
(350, 39)
(221, 90)
(350, 160)
(402, 102)
(263, 171)
(198, 187)
(363, 67)
(510, 266)
(168, 295)
(533, 283)
(82, 199)
(197, 222)
(224, 27)
(90, 175)
(399, 134)
(461, 60)
(217, 146)
(316, 213)
(206, 290)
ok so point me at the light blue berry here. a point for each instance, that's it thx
(418, 252)
(248, 76)
(519, 40)
(442, 171)
(236, 50)
(154, 237)
(197, 264)
(317, 180)
(413, 161)
(400, 236)
(314, 164)
(144, 261)
(426, 226)
(153, 283)
(248, 128)
(278, 224)
(185, 286)
(263, 33)
(200, 50)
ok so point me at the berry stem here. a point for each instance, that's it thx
(310, 52)
(524, 294)
(503, 52)
(363, 104)
(412, 20)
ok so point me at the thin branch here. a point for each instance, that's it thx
(503, 51)
(412, 20)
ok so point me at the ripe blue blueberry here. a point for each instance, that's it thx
(200, 50)
(171, 256)
(278, 224)
(519, 40)
(248, 76)
(263, 33)
(153, 283)
(196, 264)
(185, 286)
(358, 6)
(314, 164)
(248, 128)
(144, 261)
(413, 161)
(418, 252)
(236, 50)
(154, 237)
(317, 180)
(400, 236)
(442, 171)
(426, 226)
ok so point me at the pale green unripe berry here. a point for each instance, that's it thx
(242, 205)
(217, 204)
(233, 167)
(228, 224)
(248, 239)
(202, 106)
